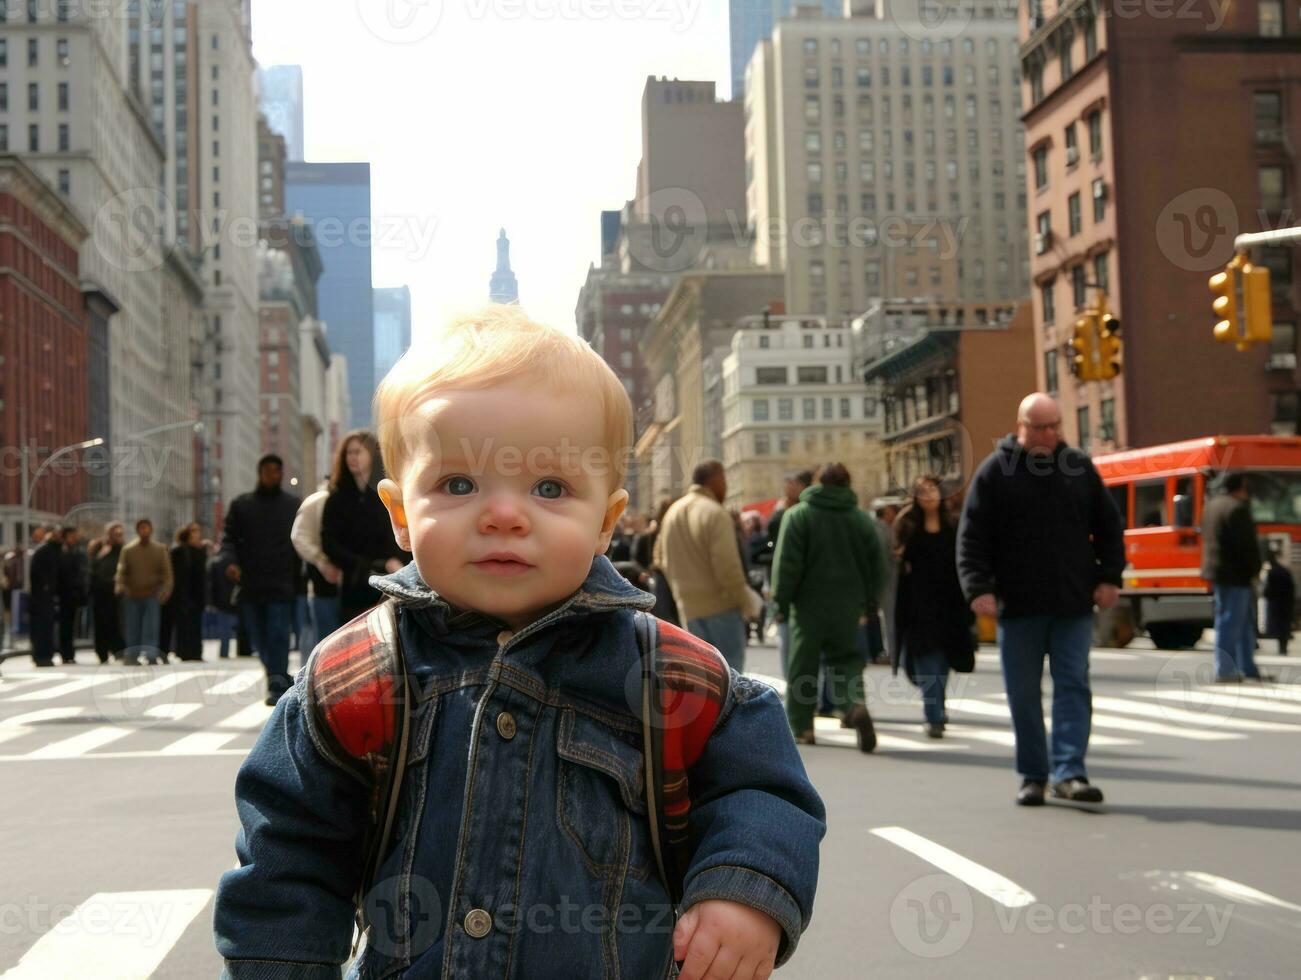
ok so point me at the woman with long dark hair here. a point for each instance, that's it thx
(356, 533)
(931, 613)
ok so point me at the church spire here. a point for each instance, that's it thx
(503, 287)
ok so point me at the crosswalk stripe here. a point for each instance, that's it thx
(1277, 693)
(71, 687)
(989, 710)
(9, 733)
(199, 743)
(158, 685)
(989, 883)
(78, 745)
(1237, 891)
(113, 936)
(1191, 717)
(9, 682)
(42, 715)
(829, 731)
(1217, 699)
(236, 683)
(248, 718)
(172, 712)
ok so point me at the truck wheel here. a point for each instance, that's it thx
(1174, 636)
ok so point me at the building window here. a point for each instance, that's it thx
(1050, 371)
(809, 408)
(759, 410)
(1099, 200)
(827, 408)
(1036, 84)
(770, 376)
(1068, 59)
(33, 97)
(64, 100)
(1090, 29)
(1270, 182)
(1046, 297)
(65, 138)
(1072, 148)
(61, 52)
(4, 138)
(762, 444)
(1074, 221)
(1095, 135)
(33, 52)
(1107, 421)
(813, 142)
(1285, 413)
(1044, 230)
(33, 138)
(1269, 117)
(1271, 18)
(1078, 288)
(1041, 167)
(812, 375)
(1100, 271)
(785, 409)
(1082, 420)
(4, 52)
(4, 96)
(844, 408)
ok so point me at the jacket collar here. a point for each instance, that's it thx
(603, 590)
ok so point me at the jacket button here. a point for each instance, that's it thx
(506, 725)
(478, 923)
(504, 637)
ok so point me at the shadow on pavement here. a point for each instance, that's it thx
(1221, 816)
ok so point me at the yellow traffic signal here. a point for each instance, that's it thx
(1109, 347)
(1084, 347)
(1242, 303)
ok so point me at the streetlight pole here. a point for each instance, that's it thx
(29, 485)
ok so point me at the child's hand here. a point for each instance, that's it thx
(726, 941)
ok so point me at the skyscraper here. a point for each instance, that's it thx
(392, 328)
(282, 103)
(335, 199)
(503, 288)
(752, 21)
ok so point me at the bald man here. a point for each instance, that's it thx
(1040, 544)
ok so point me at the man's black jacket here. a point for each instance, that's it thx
(1230, 546)
(256, 538)
(1039, 532)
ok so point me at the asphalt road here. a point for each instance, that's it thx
(118, 819)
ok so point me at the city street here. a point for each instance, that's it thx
(119, 819)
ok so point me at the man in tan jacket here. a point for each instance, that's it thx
(698, 549)
(144, 579)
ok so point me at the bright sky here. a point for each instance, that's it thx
(477, 114)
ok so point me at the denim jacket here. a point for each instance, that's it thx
(521, 847)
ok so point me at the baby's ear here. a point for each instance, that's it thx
(614, 508)
(391, 494)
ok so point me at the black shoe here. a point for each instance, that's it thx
(861, 721)
(1031, 793)
(1077, 791)
(934, 730)
(44, 663)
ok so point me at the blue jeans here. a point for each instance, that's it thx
(1066, 640)
(931, 674)
(784, 647)
(227, 623)
(1235, 631)
(726, 631)
(267, 625)
(304, 626)
(325, 613)
(140, 619)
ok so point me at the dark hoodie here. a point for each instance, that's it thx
(1039, 532)
(829, 563)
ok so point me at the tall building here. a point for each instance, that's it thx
(1151, 142)
(503, 288)
(338, 403)
(392, 328)
(884, 162)
(314, 416)
(83, 127)
(334, 198)
(281, 97)
(44, 346)
(751, 21)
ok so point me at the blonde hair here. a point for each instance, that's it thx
(497, 345)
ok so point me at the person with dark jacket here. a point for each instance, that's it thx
(221, 599)
(74, 586)
(261, 558)
(356, 533)
(105, 605)
(827, 574)
(44, 578)
(1280, 602)
(1231, 563)
(796, 483)
(931, 614)
(190, 573)
(1039, 545)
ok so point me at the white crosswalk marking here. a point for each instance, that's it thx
(982, 879)
(43, 715)
(172, 712)
(200, 743)
(158, 685)
(78, 745)
(1190, 717)
(71, 687)
(113, 936)
(235, 684)
(1218, 699)
(250, 718)
(990, 710)
(1275, 693)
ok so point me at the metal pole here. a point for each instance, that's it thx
(1280, 236)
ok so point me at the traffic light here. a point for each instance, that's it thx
(1108, 347)
(1242, 303)
(1084, 347)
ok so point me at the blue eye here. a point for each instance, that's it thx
(550, 489)
(459, 486)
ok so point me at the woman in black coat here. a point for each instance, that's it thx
(1280, 602)
(184, 611)
(356, 533)
(931, 613)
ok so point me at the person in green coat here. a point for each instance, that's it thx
(827, 572)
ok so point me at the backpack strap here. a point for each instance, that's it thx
(358, 695)
(685, 683)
